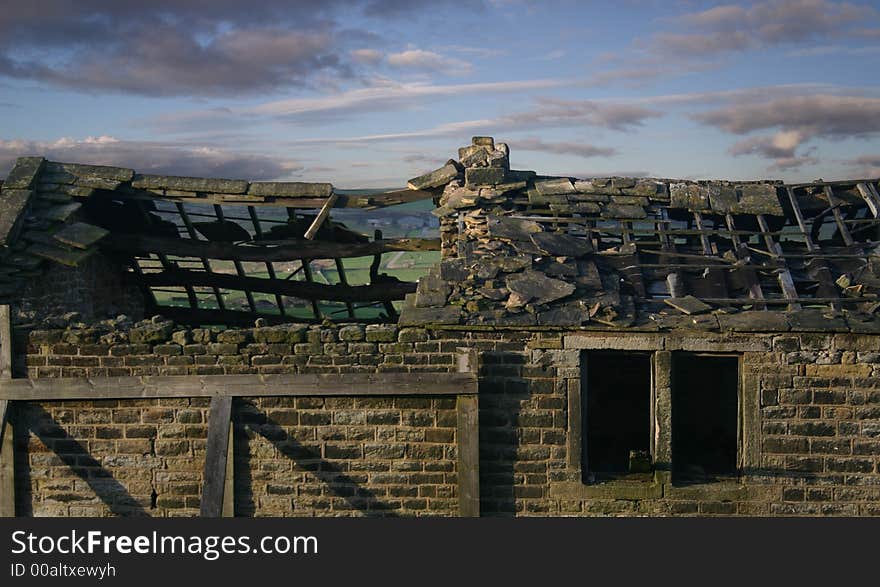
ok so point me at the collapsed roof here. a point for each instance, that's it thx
(518, 249)
(525, 250)
(216, 251)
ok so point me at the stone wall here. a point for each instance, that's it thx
(94, 290)
(293, 456)
(811, 422)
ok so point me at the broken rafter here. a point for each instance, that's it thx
(163, 258)
(869, 194)
(715, 280)
(263, 250)
(357, 200)
(340, 271)
(838, 218)
(822, 272)
(191, 231)
(742, 253)
(305, 265)
(258, 231)
(321, 217)
(675, 283)
(249, 296)
(785, 280)
(309, 290)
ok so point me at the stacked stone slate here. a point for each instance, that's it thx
(507, 261)
(41, 202)
(39, 221)
(498, 268)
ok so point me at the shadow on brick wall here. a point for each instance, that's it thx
(250, 422)
(33, 419)
(503, 391)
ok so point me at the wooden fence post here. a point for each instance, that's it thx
(7, 458)
(468, 436)
(215, 485)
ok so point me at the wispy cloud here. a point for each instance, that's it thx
(382, 96)
(561, 147)
(826, 50)
(736, 27)
(370, 56)
(547, 113)
(428, 61)
(151, 157)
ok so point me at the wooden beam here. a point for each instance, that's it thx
(216, 458)
(868, 194)
(5, 342)
(675, 283)
(163, 258)
(306, 266)
(392, 198)
(343, 280)
(799, 216)
(191, 231)
(7, 456)
(270, 269)
(239, 269)
(704, 238)
(7, 462)
(748, 273)
(821, 271)
(229, 486)
(309, 290)
(321, 217)
(366, 201)
(786, 283)
(262, 250)
(468, 445)
(838, 218)
(715, 278)
(304, 384)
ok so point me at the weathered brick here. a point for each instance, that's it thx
(381, 333)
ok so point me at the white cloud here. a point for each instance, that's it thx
(428, 61)
(367, 56)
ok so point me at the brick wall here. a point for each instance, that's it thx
(293, 456)
(811, 427)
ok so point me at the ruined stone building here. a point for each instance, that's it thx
(177, 346)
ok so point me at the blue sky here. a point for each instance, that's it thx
(367, 93)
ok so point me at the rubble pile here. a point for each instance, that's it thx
(521, 249)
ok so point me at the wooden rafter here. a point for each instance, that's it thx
(270, 251)
(191, 231)
(742, 253)
(323, 214)
(822, 272)
(249, 296)
(784, 275)
(258, 231)
(834, 205)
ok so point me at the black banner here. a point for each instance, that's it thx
(457, 551)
